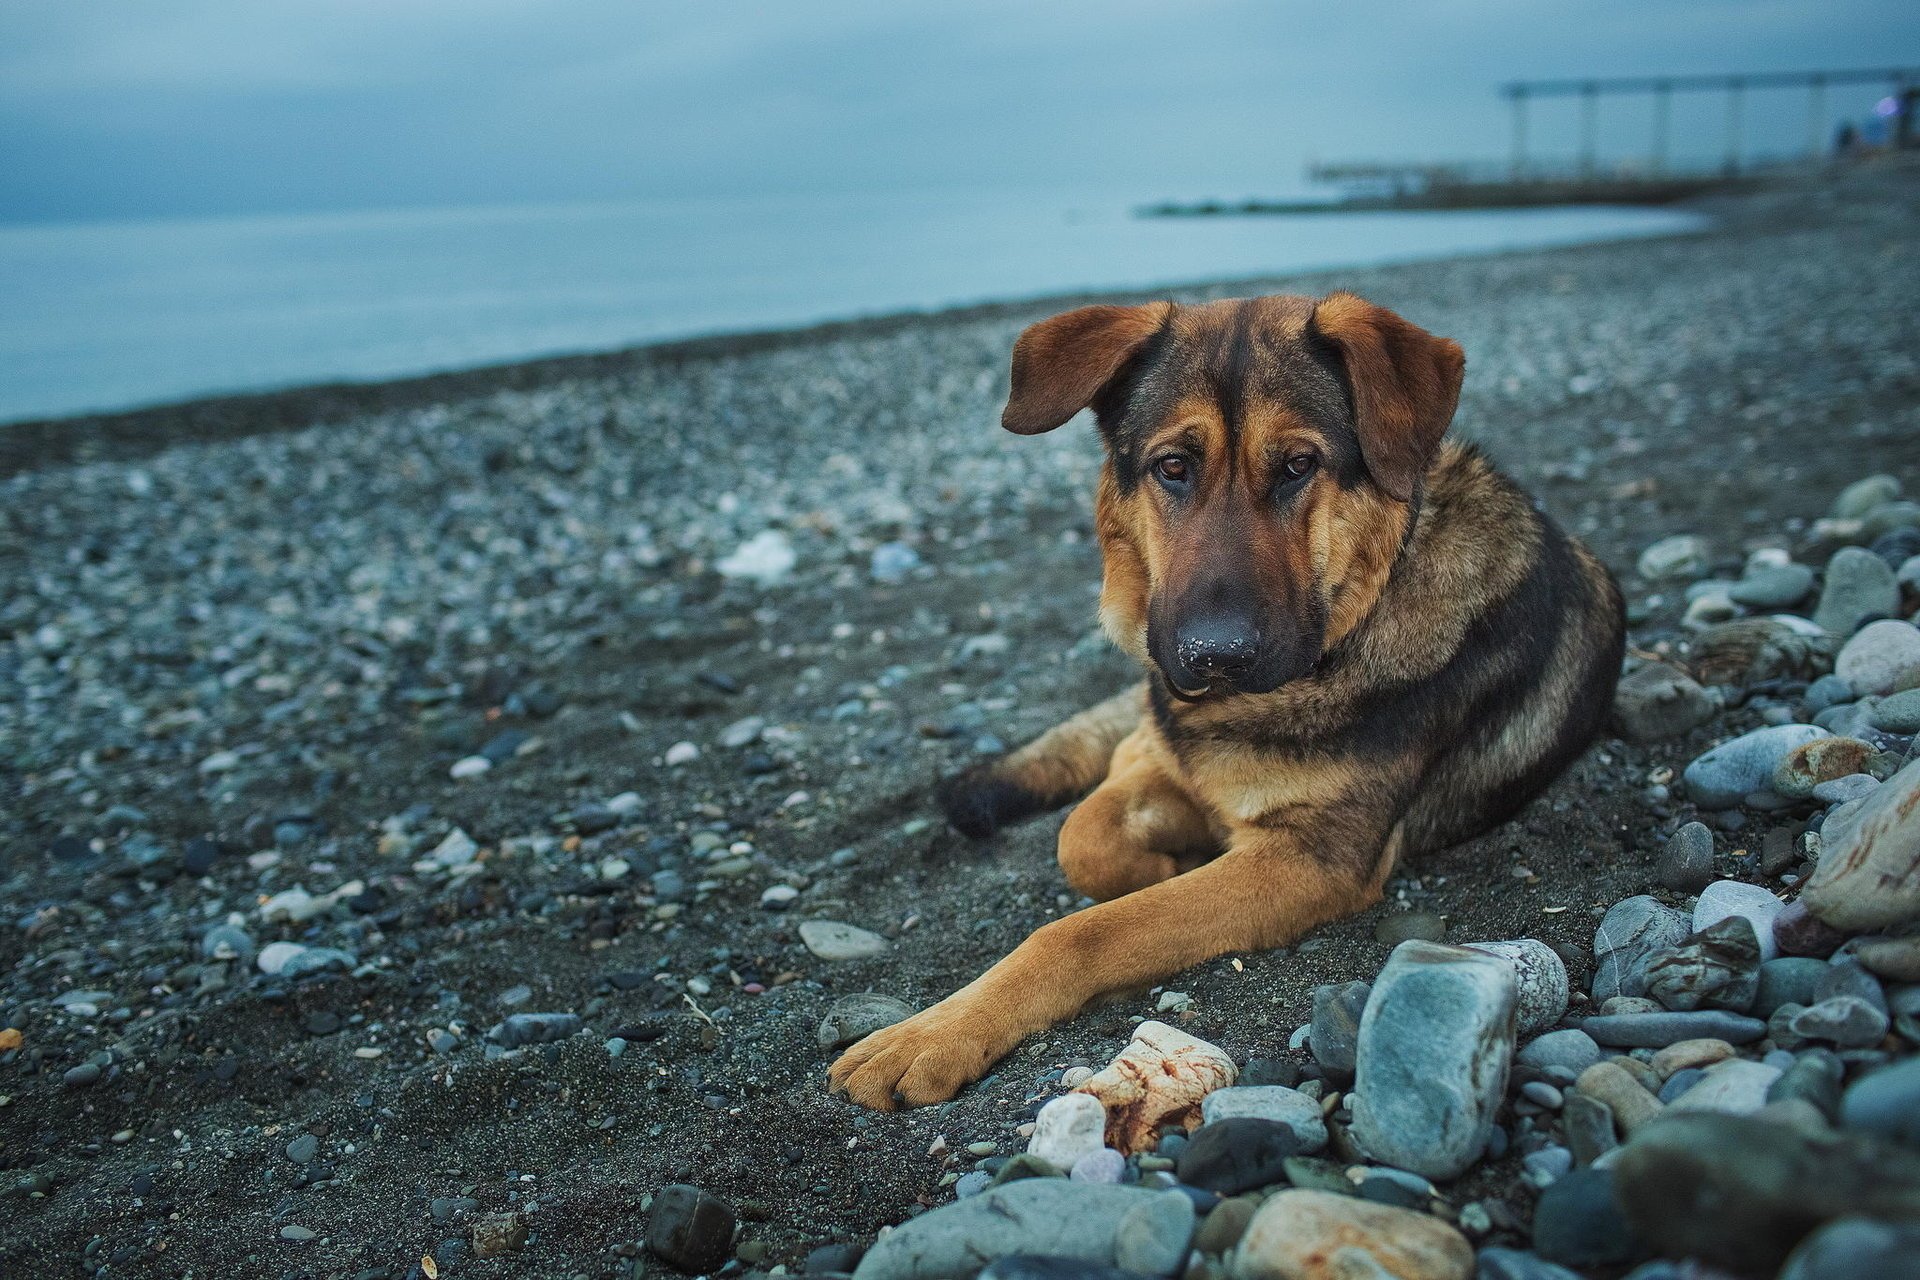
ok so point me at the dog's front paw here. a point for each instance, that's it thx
(926, 1059)
(979, 802)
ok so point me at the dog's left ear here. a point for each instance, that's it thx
(1060, 364)
(1405, 384)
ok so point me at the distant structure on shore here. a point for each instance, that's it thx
(1526, 179)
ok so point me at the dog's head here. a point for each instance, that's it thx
(1264, 456)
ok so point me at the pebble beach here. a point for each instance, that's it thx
(446, 828)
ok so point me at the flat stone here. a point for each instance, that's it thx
(1868, 877)
(1898, 713)
(1658, 1030)
(1288, 1107)
(1588, 1123)
(1222, 1229)
(1863, 495)
(1859, 588)
(1724, 898)
(1882, 658)
(1853, 786)
(1716, 968)
(1335, 1037)
(1056, 1217)
(1632, 931)
(1572, 1049)
(1735, 1086)
(1435, 1045)
(1774, 586)
(1886, 1103)
(853, 1018)
(1682, 555)
(1846, 1022)
(832, 940)
(1686, 864)
(1317, 1235)
(1725, 776)
(1690, 1053)
(1895, 959)
(521, 1029)
(1237, 1154)
(1739, 1192)
(1655, 702)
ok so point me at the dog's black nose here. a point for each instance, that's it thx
(1219, 647)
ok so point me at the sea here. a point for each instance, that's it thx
(104, 316)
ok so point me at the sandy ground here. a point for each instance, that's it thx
(334, 596)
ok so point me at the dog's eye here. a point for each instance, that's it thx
(1299, 465)
(1172, 469)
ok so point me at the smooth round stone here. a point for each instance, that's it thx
(1238, 1154)
(303, 1149)
(1686, 864)
(1289, 1107)
(1222, 1229)
(1633, 931)
(80, 1077)
(1038, 1266)
(1857, 1249)
(1578, 1224)
(1859, 587)
(972, 1184)
(1899, 713)
(1774, 586)
(1658, 1030)
(689, 1228)
(1572, 1049)
(1725, 776)
(1079, 1221)
(1104, 1165)
(855, 1017)
(1735, 1086)
(1788, 980)
(1882, 658)
(1540, 982)
(1828, 691)
(1679, 1082)
(1886, 1102)
(832, 940)
(1863, 495)
(1068, 1128)
(1300, 1233)
(1542, 1094)
(1683, 555)
(1798, 932)
(838, 1259)
(1725, 898)
(1154, 1235)
(1847, 789)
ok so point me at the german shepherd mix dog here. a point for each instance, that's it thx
(1361, 643)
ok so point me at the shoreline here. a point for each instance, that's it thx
(122, 434)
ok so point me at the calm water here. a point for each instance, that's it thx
(109, 316)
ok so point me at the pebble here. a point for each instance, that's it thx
(1104, 1165)
(1860, 587)
(1435, 1044)
(1868, 877)
(681, 753)
(1898, 713)
(892, 562)
(1735, 1086)
(766, 559)
(1299, 1113)
(1335, 1035)
(1863, 495)
(1739, 1191)
(1317, 1235)
(1724, 898)
(1814, 1077)
(1847, 1022)
(521, 1029)
(1656, 701)
(1843, 790)
(1589, 1127)
(1056, 1217)
(1773, 586)
(1683, 555)
(1658, 1030)
(87, 1073)
(1223, 1228)
(469, 767)
(1725, 776)
(1716, 968)
(1068, 1128)
(303, 1148)
(1572, 1049)
(689, 1228)
(853, 1018)
(1632, 932)
(1882, 658)
(1540, 977)
(743, 732)
(1629, 1102)
(1241, 1153)
(1857, 1249)
(1690, 1053)
(1038, 1266)
(832, 940)
(1686, 864)
(778, 897)
(1577, 1222)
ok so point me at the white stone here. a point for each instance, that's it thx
(1068, 1129)
(832, 940)
(682, 753)
(1725, 898)
(1868, 877)
(1733, 1085)
(469, 767)
(1882, 657)
(766, 559)
(1540, 978)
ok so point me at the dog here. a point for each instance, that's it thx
(1362, 642)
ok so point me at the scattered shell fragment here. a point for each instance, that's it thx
(1159, 1079)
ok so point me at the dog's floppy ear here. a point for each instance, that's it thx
(1405, 384)
(1059, 365)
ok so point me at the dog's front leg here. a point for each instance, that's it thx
(1266, 890)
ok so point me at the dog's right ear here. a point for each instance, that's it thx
(1059, 365)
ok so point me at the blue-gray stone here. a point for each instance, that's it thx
(1511, 1264)
(1860, 587)
(1788, 980)
(1658, 1030)
(1631, 933)
(1050, 1216)
(1723, 777)
(1573, 1049)
(534, 1028)
(1857, 1249)
(1886, 1103)
(1283, 1106)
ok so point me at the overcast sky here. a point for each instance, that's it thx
(132, 108)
